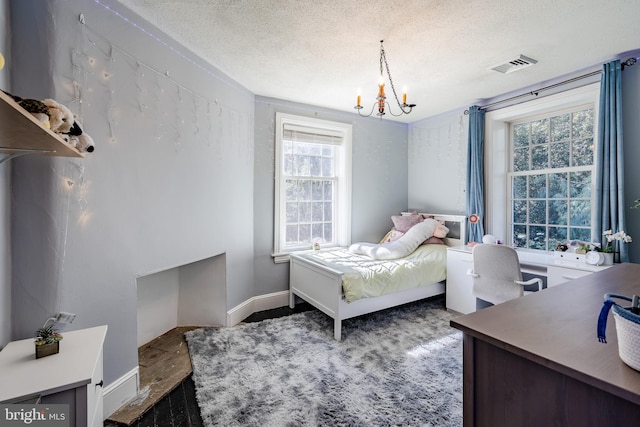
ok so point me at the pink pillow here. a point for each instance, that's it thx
(440, 231)
(403, 223)
(433, 240)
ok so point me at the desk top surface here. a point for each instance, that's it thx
(557, 328)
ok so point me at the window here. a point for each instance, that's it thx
(551, 178)
(539, 169)
(313, 184)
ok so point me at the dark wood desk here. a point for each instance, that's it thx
(536, 361)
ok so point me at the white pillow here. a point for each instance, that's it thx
(401, 247)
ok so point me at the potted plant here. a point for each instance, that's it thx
(47, 341)
(583, 248)
(609, 249)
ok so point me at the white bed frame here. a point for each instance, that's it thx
(321, 286)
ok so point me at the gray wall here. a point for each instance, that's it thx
(379, 181)
(5, 195)
(170, 182)
(437, 163)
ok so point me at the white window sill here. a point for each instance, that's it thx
(279, 258)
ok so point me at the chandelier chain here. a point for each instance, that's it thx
(383, 57)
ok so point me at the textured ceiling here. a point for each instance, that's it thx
(321, 52)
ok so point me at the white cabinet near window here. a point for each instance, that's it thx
(557, 274)
(459, 288)
(72, 377)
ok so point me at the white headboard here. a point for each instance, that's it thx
(457, 225)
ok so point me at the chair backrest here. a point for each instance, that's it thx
(496, 267)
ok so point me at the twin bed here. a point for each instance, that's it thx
(344, 284)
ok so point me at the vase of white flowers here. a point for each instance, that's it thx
(612, 244)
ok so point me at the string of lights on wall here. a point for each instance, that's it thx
(146, 96)
(100, 69)
(83, 57)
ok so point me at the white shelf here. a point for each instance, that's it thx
(20, 133)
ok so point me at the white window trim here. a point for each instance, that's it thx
(497, 148)
(344, 163)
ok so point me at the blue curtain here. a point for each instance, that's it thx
(610, 159)
(475, 175)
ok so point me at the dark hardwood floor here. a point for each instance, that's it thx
(278, 312)
(180, 407)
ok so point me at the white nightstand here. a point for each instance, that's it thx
(73, 376)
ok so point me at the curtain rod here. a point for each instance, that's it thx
(628, 63)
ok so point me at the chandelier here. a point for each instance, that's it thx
(381, 100)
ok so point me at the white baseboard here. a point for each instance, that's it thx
(255, 304)
(269, 301)
(120, 392)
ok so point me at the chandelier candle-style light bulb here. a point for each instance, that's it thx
(381, 96)
(381, 99)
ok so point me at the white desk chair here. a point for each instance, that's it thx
(496, 275)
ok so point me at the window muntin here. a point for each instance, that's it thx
(313, 184)
(551, 179)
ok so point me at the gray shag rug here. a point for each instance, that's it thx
(397, 367)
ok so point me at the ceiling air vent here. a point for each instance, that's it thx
(515, 64)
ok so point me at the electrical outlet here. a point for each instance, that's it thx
(63, 317)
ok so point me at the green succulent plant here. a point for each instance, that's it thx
(47, 335)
